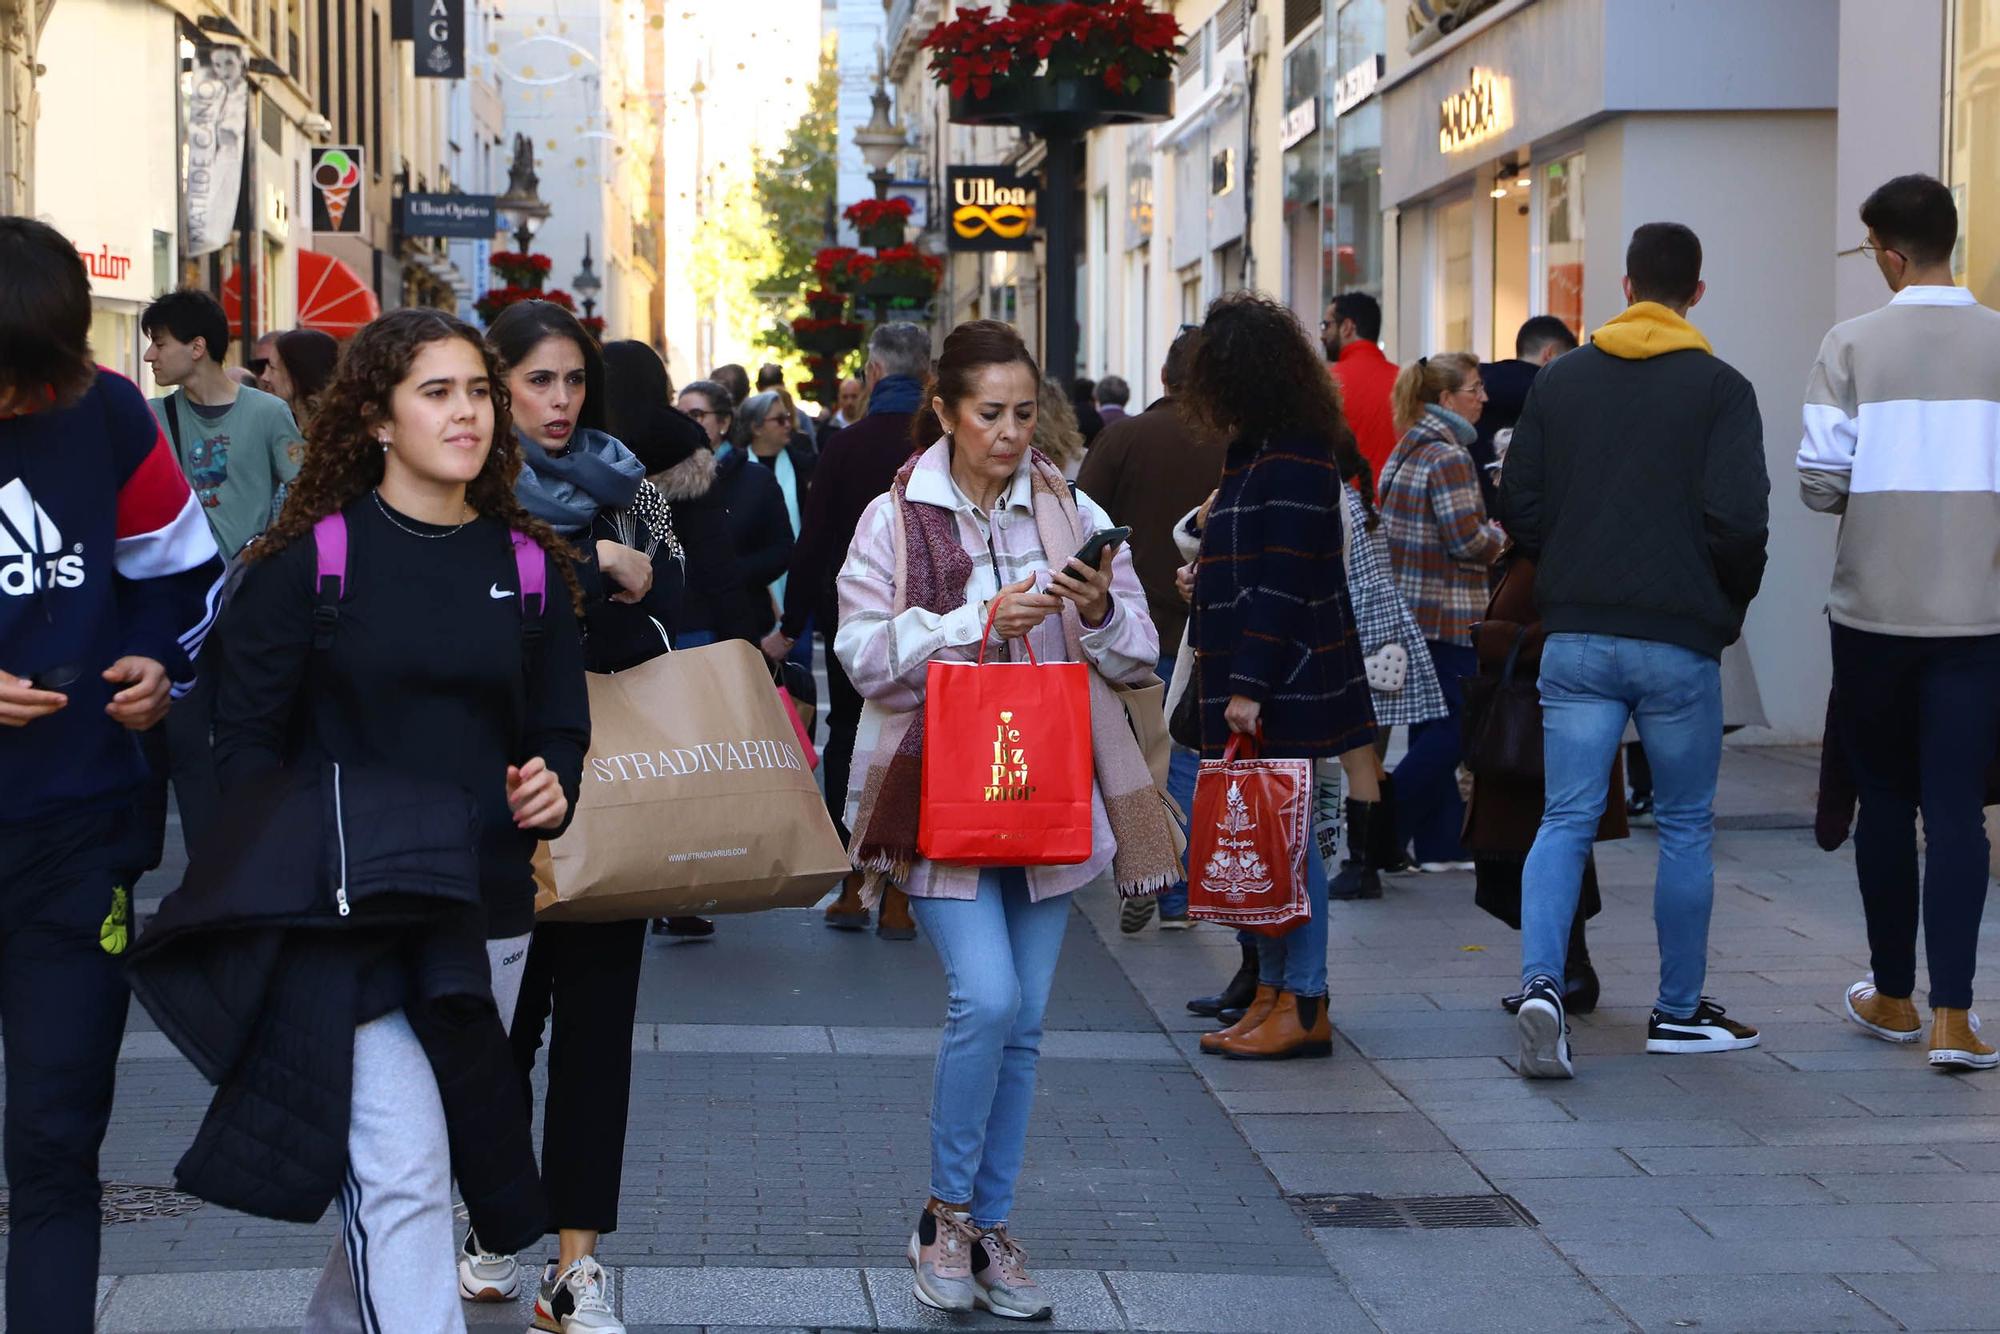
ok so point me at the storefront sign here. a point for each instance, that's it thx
(466, 217)
(1299, 122)
(337, 200)
(992, 208)
(1482, 110)
(1357, 85)
(441, 39)
(106, 264)
(218, 119)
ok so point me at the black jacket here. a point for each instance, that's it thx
(712, 598)
(763, 530)
(1507, 384)
(331, 897)
(618, 635)
(1638, 487)
(857, 465)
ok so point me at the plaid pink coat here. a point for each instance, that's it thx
(1440, 540)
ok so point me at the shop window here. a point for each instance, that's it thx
(1191, 294)
(1512, 254)
(1562, 241)
(1972, 155)
(1351, 240)
(1452, 242)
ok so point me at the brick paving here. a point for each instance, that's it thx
(1824, 1181)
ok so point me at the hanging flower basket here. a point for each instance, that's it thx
(824, 304)
(1081, 64)
(528, 272)
(881, 223)
(834, 268)
(1079, 102)
(826, 338)
(899, 274)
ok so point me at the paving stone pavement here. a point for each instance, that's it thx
(1824, 1181)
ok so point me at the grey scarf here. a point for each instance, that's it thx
(568, 490)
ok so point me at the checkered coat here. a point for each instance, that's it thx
(1380, 618)
(1271, 619)
(1440, 541)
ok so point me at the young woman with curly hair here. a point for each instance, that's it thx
(1272, 626)
(435, 667)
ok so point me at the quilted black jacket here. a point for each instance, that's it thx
(330, 898)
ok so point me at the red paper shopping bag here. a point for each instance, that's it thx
(1007, 763)
(1247, 841)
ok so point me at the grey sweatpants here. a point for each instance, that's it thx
(392, 1272)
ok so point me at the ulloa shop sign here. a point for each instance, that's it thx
(991, 208)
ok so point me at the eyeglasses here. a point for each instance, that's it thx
(257, 365)
(703, 414)
(1870, 249)
(784, 417)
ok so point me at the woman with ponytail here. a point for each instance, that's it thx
(1441, 543)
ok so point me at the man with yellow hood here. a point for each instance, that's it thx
(1636, 481)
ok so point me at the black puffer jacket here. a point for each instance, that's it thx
(713, 599)
(762, 529)
(333, 896)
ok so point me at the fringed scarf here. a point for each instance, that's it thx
(932, 571)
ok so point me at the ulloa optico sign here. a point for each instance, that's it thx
(989, 208)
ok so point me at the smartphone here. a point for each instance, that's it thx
(1092, 550)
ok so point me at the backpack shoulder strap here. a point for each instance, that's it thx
(531, 566)
(174, 425)
(329, 576)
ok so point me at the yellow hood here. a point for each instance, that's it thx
(1648, 329)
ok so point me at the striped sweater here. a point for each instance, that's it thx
(1902, 438)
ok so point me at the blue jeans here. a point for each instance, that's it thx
(1591, 684)
(999, 952)
(1296, 961)
(1182, 769)
(1429, 812)
(694, 639)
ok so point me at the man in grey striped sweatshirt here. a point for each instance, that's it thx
(1902, 439)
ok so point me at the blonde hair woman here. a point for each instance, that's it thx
(1440, 545)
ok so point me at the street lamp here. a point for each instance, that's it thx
(522, 204)
(586, 282)
(882, 138)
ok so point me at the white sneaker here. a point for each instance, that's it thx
(575, 1301)
(484, 1276)
(1443, 868)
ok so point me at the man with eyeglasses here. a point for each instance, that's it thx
(1902, 430)
(1350, 334)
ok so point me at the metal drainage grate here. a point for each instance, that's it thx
(1419, 1211)
(126, 1203)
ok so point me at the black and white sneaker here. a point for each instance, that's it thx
(1709, 1029)
(1544, 1030)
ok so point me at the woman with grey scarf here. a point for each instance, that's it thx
(593, 491)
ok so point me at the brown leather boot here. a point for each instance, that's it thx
(848, 913)
(1296, 1026)
(1216, 1043)
(894, 922)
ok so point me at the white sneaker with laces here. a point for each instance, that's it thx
(484, 1276)
(576, 1301)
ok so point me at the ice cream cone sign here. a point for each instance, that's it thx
(336, 174)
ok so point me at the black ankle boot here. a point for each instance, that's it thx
(1242, 989)
(1357, 879)
(1383, 852)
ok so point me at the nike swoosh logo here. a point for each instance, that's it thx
(497, 592)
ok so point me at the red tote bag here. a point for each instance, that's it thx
(1247, 841)
(1008, 771)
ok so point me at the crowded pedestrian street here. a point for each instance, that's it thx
(1238, 666)
(1412, 1184)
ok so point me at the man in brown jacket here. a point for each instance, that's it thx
(1147, 471)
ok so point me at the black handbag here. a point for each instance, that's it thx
(1501, 729)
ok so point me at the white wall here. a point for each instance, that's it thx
(1765, 212)
(1892, 84)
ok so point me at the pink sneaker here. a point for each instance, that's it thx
(941, 1254)
(1000, 1279)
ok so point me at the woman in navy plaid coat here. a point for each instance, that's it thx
(1272, 628)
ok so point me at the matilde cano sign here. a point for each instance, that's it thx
(709, 757)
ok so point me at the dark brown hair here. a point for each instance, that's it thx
(968, 350)
(44, 315)
(309, 357)
(343, 460)
(1255, 375)
(1914, 215)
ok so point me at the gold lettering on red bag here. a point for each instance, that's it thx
(1010, 763)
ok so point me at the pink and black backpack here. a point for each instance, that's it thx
(330, 580)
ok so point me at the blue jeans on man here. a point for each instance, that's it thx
(1182, 770)
(1591, 685)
